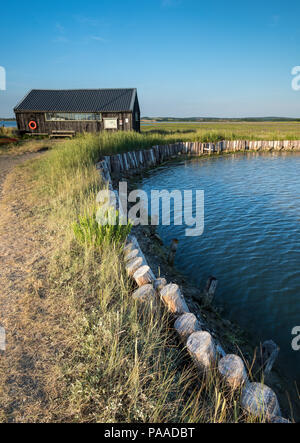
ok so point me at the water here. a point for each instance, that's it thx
(10, 124)
(251, 241)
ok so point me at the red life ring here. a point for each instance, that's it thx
(32, 125)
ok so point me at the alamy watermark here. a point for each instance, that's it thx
(296, 340)
(188, 208)
(2, 79)
(296, 79)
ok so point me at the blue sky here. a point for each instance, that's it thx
(186, 57)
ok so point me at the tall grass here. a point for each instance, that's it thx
(212, 132)
(125, 365)
(8, 131)
(98, 228)
(110, 360)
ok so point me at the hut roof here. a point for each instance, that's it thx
(78, 100)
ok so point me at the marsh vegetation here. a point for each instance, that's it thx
(80, 350)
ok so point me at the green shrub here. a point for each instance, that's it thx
(88, 231)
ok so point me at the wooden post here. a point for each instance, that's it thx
(202, 350)
(232, 369)
(210, 289)
(145, 294)
(108, 163)
(134, 265)
(131, 255)
(105, 173)
(129, 247)
(134, 244)
(173, 250)
(143, 276)
(269, 352)
(174, 300)
(260, 401)
(115, 165)
(186, 325)
(159, 284)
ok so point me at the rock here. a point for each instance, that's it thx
(260, 401)
(202, 350)
(174, 300)
(232, 369)
(186, 325)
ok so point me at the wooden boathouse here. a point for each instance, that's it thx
(67, 112)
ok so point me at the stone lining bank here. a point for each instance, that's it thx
(257, 399)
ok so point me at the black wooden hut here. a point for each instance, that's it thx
(67, 112)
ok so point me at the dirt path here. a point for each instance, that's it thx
(23, 261)
(7, 163)
(11, 248)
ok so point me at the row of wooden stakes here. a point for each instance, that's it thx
(257, 399)
(137, 160)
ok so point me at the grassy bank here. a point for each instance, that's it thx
(161, 133)
(94, 357)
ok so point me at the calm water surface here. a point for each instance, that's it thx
(251, 241)
(10, 124)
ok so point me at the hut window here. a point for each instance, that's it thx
(110, 123)
(72, 116)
